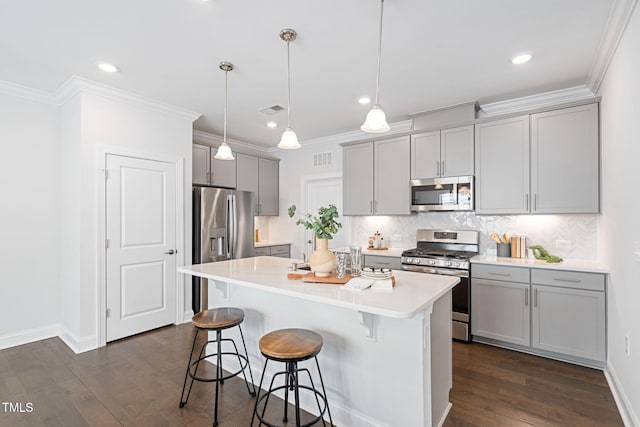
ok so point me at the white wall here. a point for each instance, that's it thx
(91, 123)
(294, 166)
(28, 219)
(619, 228)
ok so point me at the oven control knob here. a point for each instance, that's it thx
(417, 260)
(455, 264)
(409, 260)
(449, 263)
(432, 262)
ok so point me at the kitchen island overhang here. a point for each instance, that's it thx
(387, 354)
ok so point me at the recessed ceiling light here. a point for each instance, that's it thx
(364, 100)
(272, 125)
(107, 67)
(521, 59)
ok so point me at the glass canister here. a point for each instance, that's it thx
(356, 260)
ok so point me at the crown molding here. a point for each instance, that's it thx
(540, 100)
(397, 127)
(76, 84)
(619, 16)
(24, 92)
(213, 139)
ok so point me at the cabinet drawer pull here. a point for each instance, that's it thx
(500, 274)
(382, 263)
(560, 279)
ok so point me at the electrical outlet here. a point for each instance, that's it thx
(563, 244)
(627, 345)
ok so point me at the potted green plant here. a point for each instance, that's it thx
(324, 227)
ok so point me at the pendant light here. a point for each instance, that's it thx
(289, 140)
(376, 121)
(224, 151)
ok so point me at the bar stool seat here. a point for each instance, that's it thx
(216, 320)
(291, 346)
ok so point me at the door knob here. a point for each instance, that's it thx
(171, 252)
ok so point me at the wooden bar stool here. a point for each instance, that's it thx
(291, 346)
(216, 320)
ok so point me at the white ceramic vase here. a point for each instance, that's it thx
(322, 261)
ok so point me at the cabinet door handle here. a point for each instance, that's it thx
(535, 297)
(560, 279)
(500, 274)
(526, 297)
(371, 206)
(526, 198)
(443, 169)
(438, 168)
(375, 206)
(535, 201)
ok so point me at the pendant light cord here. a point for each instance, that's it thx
(288, 87)
(379, 53)
(226, 84)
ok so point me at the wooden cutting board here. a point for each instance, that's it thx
(311, 277)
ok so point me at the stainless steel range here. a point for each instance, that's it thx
(447, 252)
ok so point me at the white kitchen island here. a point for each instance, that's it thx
(386, 359)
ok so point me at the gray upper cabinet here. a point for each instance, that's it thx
(207, 170)
(200, 164)
(268, 199)
(448, 152)
(391, 177)
(247, 173)
(565, 160)
(260, 176)
(376, 177)
(357, 179)
(502, 166)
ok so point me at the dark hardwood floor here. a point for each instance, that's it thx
(137, 382)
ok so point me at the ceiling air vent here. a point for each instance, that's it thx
(322, 159)
(272, 109)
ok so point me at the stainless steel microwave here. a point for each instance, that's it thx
(453, 193)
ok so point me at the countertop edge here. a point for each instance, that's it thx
(584, 266)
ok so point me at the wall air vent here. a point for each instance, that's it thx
(322, 159)
(272, 109)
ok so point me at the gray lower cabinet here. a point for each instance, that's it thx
(381, 261)
(376, 177)
(556, 313)
(500, 304)
(260, 176)
(207, 170)
(282, 251)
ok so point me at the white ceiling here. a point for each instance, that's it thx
(434, 54)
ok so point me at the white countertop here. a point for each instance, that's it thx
(264, 243)
(412, 294)
(568, 264)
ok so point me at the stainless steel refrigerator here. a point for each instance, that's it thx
(223, 229)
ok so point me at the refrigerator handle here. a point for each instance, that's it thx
(234, 229)
(227, 229)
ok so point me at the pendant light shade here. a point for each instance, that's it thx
(289, 140)
(376, 121)
(224, 151)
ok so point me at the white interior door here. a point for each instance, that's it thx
(141, 235)
(323, 192)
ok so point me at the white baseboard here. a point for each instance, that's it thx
(629, 417)
(186, 317)
(78, 345)
(444, 416)
(28, 336)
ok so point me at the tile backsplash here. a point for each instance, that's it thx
(400, 231)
